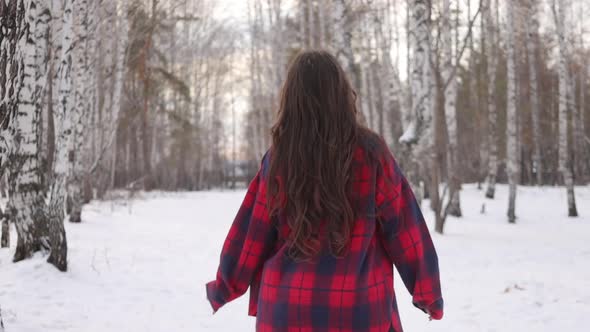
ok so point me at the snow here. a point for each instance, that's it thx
(141, 265)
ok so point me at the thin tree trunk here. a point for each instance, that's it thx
(119, 78)
(511, 116)
(310, 24)
(422, 85)
(1, 322)
(342, 41)
(450, 110)
(531, 47)
(482, 99)
(584, 149)
(5, 233)
(559, 14)
(421, 76)
(321, 24)
(82, 78)
(63, 128)
(491, 96)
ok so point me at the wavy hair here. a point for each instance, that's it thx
(313, 141)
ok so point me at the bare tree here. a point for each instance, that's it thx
(1, 322)
(341, 42)
(563, 76)
(450, 109)
(26, 188)
(511, 116)
(421, 76)
(492, 63)
(83, 73)
(63, 130)
(5, 231)
(532, 27)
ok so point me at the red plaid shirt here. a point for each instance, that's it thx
(354, 293)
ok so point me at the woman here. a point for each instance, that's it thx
(325, 219)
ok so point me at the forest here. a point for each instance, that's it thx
(104, 96)
(129, 130)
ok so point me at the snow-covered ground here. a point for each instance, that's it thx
(142, 267)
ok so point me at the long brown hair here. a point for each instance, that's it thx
(313, 141)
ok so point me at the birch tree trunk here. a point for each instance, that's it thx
(418, 135)
(25, 185)
(491, 99)
(511, 115)
(63, 130)
(532, 27)
(5, 232)
(42, 83)
(562, 72)
(390, 88)
(342, 40)
(83, 74)
(119, 78)
(420, 80)
(450, 108)
(12, 18)
(311, 33)
(321, 23)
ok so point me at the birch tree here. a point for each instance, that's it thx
(341, 41)
(63, 130)
(532, 27)
(492, 64)
(120, 66)
(511, 115)
(83, 73)
(420, 79)
(5, 231)
(450, 95)
(26, 188)
(12, 19)
(563, 77)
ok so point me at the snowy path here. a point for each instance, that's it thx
(143, 268)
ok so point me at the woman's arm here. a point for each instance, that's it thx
(406, 238)
(246, 248)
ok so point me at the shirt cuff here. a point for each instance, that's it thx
(435, 309)
(214, 296)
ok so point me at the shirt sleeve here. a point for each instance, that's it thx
(406, 238)
(246, 248)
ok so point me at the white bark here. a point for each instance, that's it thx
(302, 35)
(310, 24)
(42, 64)
(562, 71)
(321, 23)
(341, 42)
(25, 183)
(63, 131)
(390, 84)
(450, 108)
(421, 79)
(511, 116)
(5, 231)
(392, 99)
(83, 74)
(10, 25)
(119, 78)
(492, 63)
(531, 48)
(365, 96)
